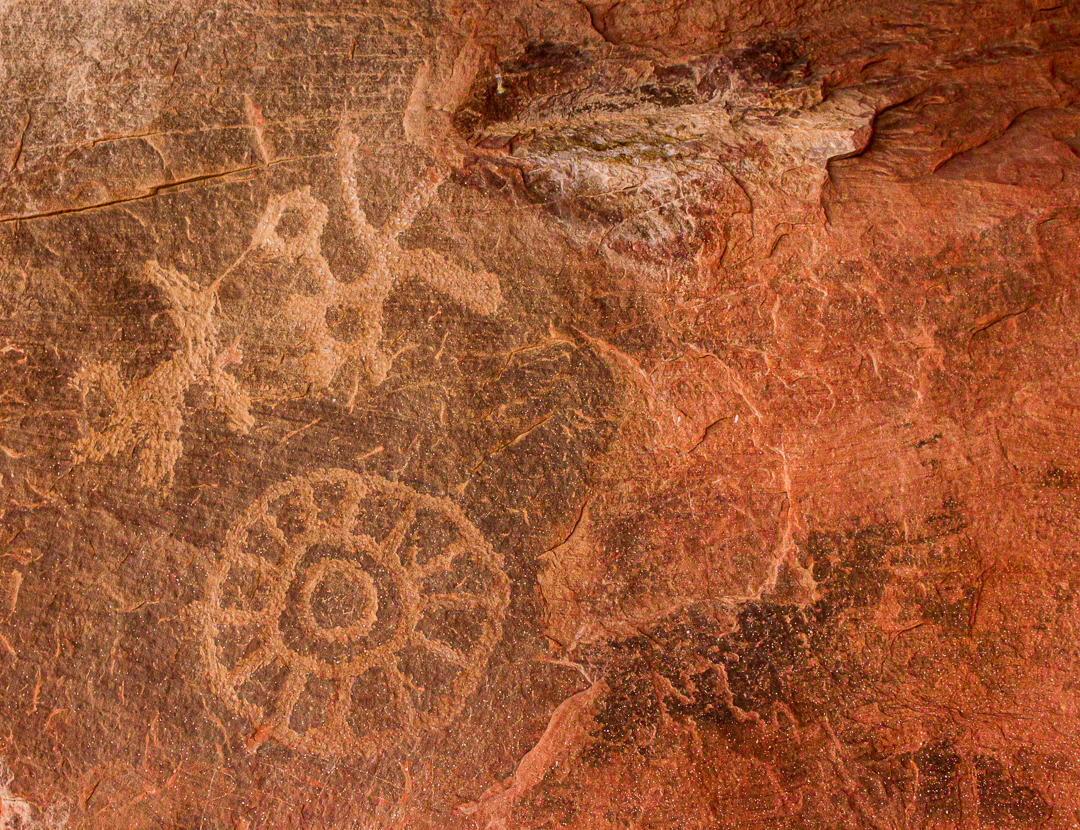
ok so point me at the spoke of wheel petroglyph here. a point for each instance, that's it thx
(307, 498)
(453, 602)
(354, 294)
(447, 653)
(407, 557)
(366, 544)
(354, 492)
(399, 685)
(237, 616)
(326, 533)
(334, 529)
(443, 561)
(391, 546)
(250, 664)
(253, 561)
(338, 711)
(286, 565)
(349, 507)
(354, 390)
(270, 526)
(290, 696)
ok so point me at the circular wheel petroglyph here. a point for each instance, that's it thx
(346, 611)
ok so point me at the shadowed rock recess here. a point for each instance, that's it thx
(539, 413)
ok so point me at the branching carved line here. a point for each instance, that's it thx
(328, 355)
(148, 414)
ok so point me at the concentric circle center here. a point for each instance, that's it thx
(339, 601)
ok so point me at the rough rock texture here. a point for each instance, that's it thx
(564, 413)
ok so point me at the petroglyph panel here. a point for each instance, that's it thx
(338, 323)
(345, 611)
(587, 414)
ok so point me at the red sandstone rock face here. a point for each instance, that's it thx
(540, 415)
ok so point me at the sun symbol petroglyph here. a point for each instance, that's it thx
(149, 412)
(361, 301)
(346, 611)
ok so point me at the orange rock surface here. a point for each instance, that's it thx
(540, 414)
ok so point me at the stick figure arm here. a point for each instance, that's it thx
(419, 199)
(478, 291)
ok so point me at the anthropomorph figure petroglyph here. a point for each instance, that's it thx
(148, 413)
(362, 299)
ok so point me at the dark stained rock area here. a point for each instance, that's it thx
(539, 413)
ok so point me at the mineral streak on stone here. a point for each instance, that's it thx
(564, 413)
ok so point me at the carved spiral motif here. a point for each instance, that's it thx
(345, 610)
